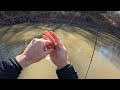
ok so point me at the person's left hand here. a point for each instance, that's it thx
(59, 55)
(34, 52)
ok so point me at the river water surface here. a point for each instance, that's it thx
(79, 42)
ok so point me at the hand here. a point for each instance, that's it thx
(59, 55)
(34, 52)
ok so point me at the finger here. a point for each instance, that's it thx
(53, 35)
(50, 37)
(48, 51)
(47, 43)
(59, 43)
(44, 37)
(48, 46)
(57, 39)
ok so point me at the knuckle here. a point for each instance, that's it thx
(34, 39)
(65, 49)
(58, 38)
(40, 40)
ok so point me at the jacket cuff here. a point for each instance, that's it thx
(67, 72)
(16, 64)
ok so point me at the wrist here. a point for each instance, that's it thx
(62, 65)
(22, 60)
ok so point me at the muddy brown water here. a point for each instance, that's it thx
(79, 43)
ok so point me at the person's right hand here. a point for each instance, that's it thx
(59, 55)
(34, 52)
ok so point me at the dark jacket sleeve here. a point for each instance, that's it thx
(10, 69)
(67, 72)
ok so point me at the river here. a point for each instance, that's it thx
(79, 41)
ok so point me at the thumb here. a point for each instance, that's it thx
(59, 43)
(48, 51)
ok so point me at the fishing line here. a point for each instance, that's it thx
(93, 51)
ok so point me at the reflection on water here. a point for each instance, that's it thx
(78, 41)
(106, 60)
(10, 50)
(106, 52)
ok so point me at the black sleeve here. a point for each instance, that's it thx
(67, 72)
(10, 69)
